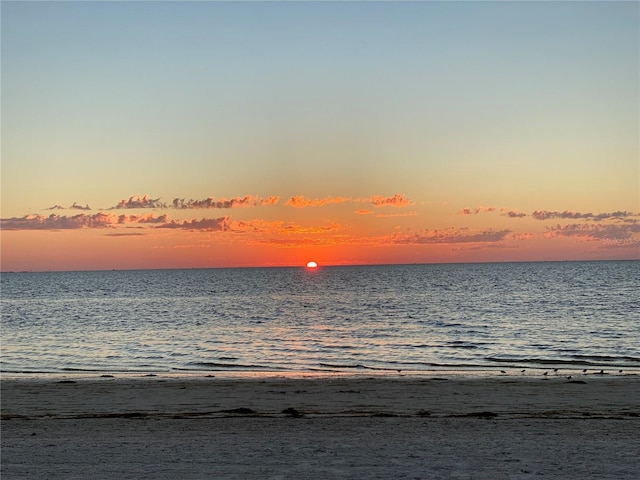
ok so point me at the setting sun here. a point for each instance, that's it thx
(312, 265)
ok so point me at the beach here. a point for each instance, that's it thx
(427, 426)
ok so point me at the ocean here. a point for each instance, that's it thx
(469, 318)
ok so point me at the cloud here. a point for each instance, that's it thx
(205, 224)
(407, 214)
(182, 204)
(515, 214)
(523, 236)
(615, 215)
(476, 211)
(398, 200)
(75, 206)
(125, 234)
(139, 202)
(211, 202)
(58, 222)
(586, 231)
(280, 228)
(297, 229)
(148, 218)
(363, 212)
(567, 214)
(300, 201)
(81, 220)
(453, 235)
(272, 200)
(297, 242)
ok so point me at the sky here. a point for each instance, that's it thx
(237, 134)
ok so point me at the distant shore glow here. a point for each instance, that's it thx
(312, 265)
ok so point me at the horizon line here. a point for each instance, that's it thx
(320, 266)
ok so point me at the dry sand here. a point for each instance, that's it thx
(342, 427)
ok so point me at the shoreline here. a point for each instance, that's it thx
(507, 371)
(324, 395)
(431, 427)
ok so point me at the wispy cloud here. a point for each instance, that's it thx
(298, 229)
(75, 206)
(567, 214)
(453, 235)
(523, 236)
(125, 234)
(475, 211)
(211, 202)
(398, 200)
(300, 201)
(587, 231)
(139, 202)
(549, 214)
(148, 218)
(81, 220)
(514, 214)
(405, 214)
(205, 224)
(58, 222)
(145, 201)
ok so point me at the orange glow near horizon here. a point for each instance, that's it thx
(331, 235)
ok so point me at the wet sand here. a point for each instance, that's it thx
(428, 427)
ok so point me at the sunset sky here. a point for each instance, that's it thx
(216, 134)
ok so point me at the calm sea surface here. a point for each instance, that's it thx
(569, 315)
